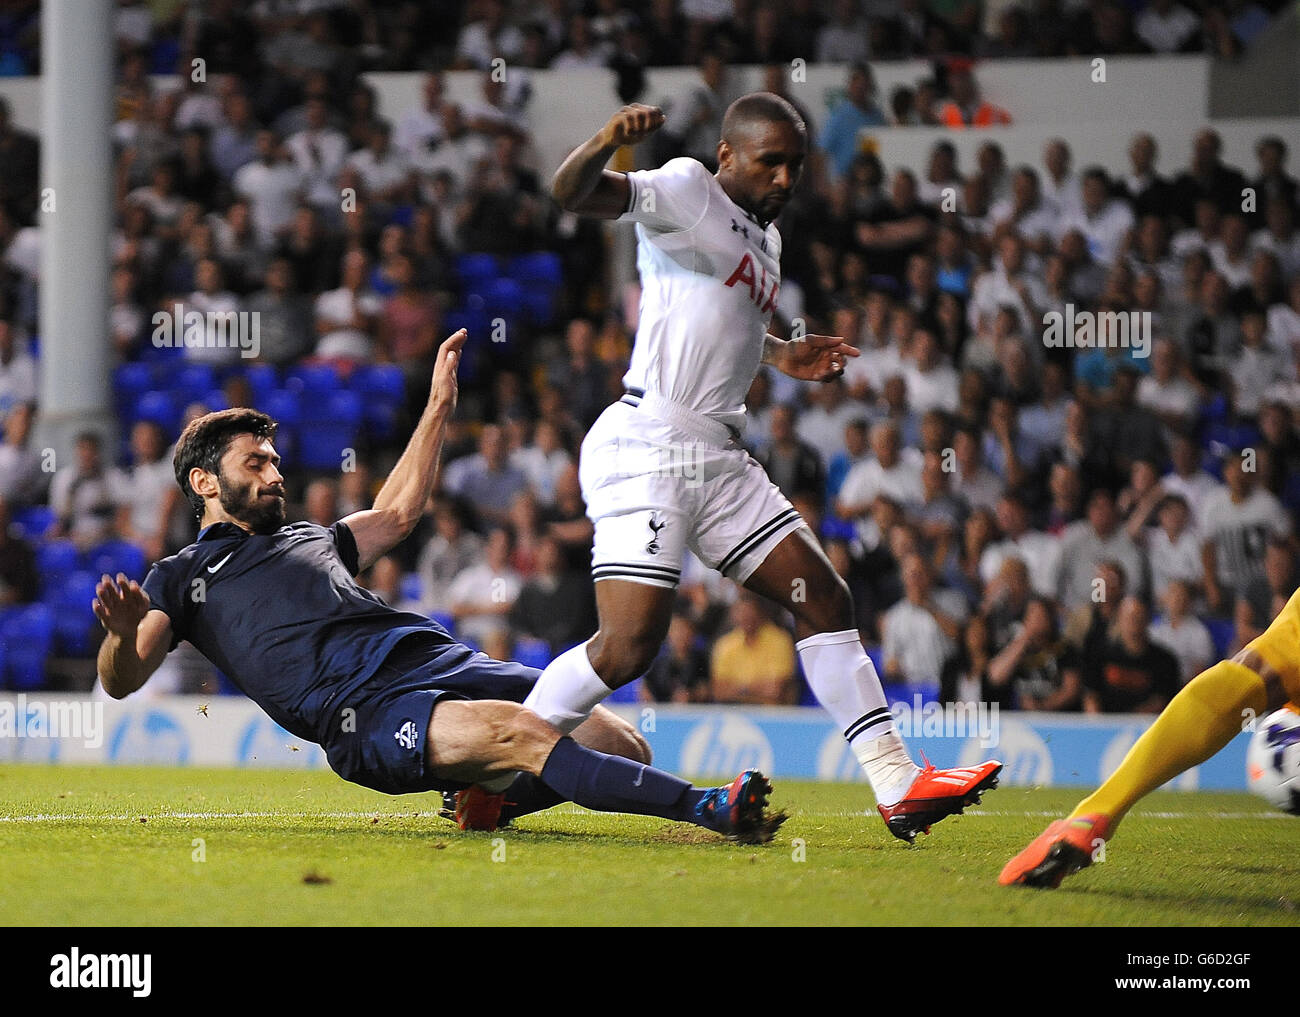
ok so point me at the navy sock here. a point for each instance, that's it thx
(528, 794)
(607, 783)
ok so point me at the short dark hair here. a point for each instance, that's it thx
(760, 107)
(205, 440)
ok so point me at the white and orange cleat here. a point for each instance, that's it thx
(937, 794)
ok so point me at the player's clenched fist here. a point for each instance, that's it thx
(632, 124)
(120, 604)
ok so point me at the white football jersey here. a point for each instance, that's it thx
(709, 280)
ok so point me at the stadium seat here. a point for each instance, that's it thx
(538, 268)
(35, 522)
(533, 653)
(331, 425)
(1221, 630)
(476, 271)
(28, 635)
(214, 399)
(629, 693)
(75, 623)
(504, 298)
(56, 560)
(314, 381)
(262, 379)
(114, 556)
(130, 382)
(383, 391)
(444, 619)
(412, 588)
(162, 408)
(193, 382)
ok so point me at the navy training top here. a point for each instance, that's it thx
(282, 617)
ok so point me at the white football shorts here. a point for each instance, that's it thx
(659, 478)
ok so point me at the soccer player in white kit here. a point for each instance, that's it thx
(663, 468)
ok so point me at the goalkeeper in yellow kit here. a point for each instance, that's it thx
(1199, 721)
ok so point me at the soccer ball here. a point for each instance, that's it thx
(1273, 760)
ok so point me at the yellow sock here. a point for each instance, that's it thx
(1199, 721)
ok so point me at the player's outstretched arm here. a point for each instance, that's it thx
(583, 185)
(137, 640)
(401, 500)
(810, 358)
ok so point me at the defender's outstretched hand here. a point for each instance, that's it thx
(632, 124)
(444, 389)
(815, 357)
(120, 604)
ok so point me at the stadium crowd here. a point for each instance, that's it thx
(1044, 526)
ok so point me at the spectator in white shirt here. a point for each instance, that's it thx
(931, 380)
(1104, 221)
(1167, 27)
(1024, 209)
(920, 632)
(1255, 367)
(1166, 392)
(143, 499)
(1040, 551)
(822, 424)
(1060, 187)
(481, 596)
(83, 494)
(1182, 633)
(490, 38)
(1230, 254)
(345, 317)
(385, 171)
(843, 39)
(17, 371)
(318, 152)
(422, 129)
(887, 472)
(1235, 526)
(272, 185)
(1173, 549)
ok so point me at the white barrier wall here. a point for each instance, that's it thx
(569, 105)
(1039, 750)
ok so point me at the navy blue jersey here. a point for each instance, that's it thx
(281, 616)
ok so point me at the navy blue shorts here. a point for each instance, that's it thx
(381, 744)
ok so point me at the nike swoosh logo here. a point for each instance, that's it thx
(640, 774)
(213, 568)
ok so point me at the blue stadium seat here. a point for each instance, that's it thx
(383, 391)
(193, 382)
(284, 405)
(533, 653)
(28, 634)
(504, 298)
(35, 521)
(540, 305)
(75, 623)
(1221, 634)
(130, 382)
(314, 381)
(412, 588)
(56, 560)
(262, 379)
(539, 268)
(476, 271)
(163, 408)
(444, 619)
(322, 441)
(214, 399)
(114, 556)
(629, 693)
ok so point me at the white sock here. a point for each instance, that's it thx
(568, 690)
(845, 682)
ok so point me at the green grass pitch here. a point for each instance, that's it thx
(156, 846)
